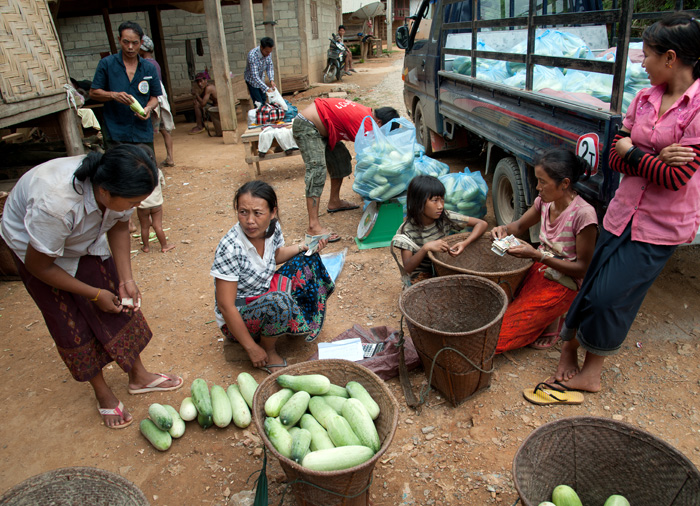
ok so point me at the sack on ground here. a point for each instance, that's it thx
(465, 193)
(426, 166)
(384, 159)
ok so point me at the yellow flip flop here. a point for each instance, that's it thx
(544, 394)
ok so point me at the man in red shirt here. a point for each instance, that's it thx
(317, 130)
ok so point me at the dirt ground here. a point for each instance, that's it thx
(442, 456)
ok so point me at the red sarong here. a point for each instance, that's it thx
(538, 303)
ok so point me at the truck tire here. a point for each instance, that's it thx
(422, 130)
(508, 194)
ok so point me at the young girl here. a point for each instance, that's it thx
(254, 303)
(150, 213)
(426, 225)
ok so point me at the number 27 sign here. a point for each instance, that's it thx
(587, 148)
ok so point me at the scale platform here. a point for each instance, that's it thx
(379, 224)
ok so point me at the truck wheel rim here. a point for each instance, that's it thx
(504, 197)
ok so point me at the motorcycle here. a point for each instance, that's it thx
(335, 63)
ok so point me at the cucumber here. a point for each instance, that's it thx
(137, 108)
(278, 436)
(357, 391)
(239, 408)
(321, 410)
(338, 390)
(314, 384)
(335, 402)
(296, 406)
(205, 421)
(564, 495)
(319, 436)
(341, 433)
(178, 428)
(221, 407)
(292, 431)
(201, 397)
(301, 441)
(247, 385)
(188, 411)
(546, 503)
(335, 459)
(160, 416)
(616, 500)
(361, 423)
(274, 403)
(160, 439)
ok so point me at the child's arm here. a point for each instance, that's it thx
(226, 292)
(412, 260)
(480, 227)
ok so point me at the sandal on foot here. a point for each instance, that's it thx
(556, 335)
(545, 394)
(154, 386)
(118, 411)
(270, 366)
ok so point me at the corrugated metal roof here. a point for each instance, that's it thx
(353, 5)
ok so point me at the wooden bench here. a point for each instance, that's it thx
(250, 139)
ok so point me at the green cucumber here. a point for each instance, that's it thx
(362, 425)
(296, 406)
(357, 391)
(335, 402)
(205, 421)
(221, 407)
(188, 411)
(247, 385)
(616, 500)
(335, 459)
(160, 416)
(178, 428)
(278, 436)
(239, 407)
(338, 390)
(274, 403)
(341, 433)
(319, 436)
(314, 384)
(201, 397)
(160, 439)
(321, 410)
(564, 495)
(301, 441)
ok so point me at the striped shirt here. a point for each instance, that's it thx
(256, 67)
(558, 237)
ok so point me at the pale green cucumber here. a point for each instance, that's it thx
(188, 411)
(201, 397)
(221, 407)
(361, 423)
(278, 436)
(338, 390)
(247, 385)
(321, 410)
(239, 408)
(160, 439)
(274, 403)
(296, 406)
(335, 459)
(160, 416)
(335, 402)
(301, 441)
(178, 428)
(319, 436)
(341, 433)
(314, 384)
(357, 391)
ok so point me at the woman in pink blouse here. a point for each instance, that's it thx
(656, 207)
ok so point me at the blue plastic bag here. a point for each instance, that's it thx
(465, 193)
(424, 165)
(384, 159)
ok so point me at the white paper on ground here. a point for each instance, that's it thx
(348, 349)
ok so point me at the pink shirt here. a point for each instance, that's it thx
(659, 216)
(559, 236)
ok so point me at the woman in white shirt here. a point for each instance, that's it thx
(67, 223)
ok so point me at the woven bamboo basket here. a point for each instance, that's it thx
(75, 486)
(461, 312)
(8, 269)
(599, 457)
(349, 487)
(478, 260)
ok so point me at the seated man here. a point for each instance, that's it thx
(205, 98)
(348, 54)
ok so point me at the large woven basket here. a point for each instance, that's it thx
(599, 457)
(478, 260)
(349, 487)
(460, 312)
(75, 486)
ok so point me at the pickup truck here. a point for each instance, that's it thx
(461, 86)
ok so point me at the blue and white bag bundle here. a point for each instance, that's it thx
(384, 159)
(465, 193)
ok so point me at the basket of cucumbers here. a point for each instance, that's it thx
(593, 461)
(328, 422)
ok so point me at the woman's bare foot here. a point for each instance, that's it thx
(583, 381)
(274, 358)
(167, 248)
(568, 362)
(145, 249)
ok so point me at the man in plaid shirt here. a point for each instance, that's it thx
(260, 62)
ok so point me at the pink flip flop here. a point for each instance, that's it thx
(118, 411)
(154, 386)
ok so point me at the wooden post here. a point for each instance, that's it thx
(108, 29)
(159, 52)
(269, 21)
(389, 24)
(68, 123)
(303, 40)
(220, 70)
(248, 25)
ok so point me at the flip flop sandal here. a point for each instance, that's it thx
(118, 411)
(154, 386)
(544, 394)
(556, 335)
(343, 208)
(270, 366)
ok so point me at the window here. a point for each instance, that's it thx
(314, 19)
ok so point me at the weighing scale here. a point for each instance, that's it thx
(379, 224)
